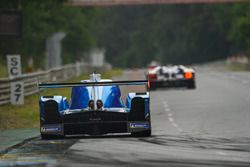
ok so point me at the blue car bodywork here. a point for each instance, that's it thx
(59, 117)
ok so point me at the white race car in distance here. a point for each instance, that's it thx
(171, 76)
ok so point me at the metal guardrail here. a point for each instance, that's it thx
(54, 75)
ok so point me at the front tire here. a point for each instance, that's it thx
(146, 133)
(49, 137)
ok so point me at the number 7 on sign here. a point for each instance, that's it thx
(17, 93)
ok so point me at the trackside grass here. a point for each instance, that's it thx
(3, 71)
(27, 115)
(238, 67)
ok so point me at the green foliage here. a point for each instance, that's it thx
(79, 25)
(43, 18)
(135, 35)
(240, 27)
(132, 35)
(3, 71)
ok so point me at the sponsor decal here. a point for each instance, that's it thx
(144, 125)
(95, 119)
(51, 128)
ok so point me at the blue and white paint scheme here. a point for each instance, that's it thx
(145, 96)
(83, 112)
(80, 96)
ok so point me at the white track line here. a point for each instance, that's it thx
(174, 124)
(221, 153)
(171, 119)
(170, 116)
(167, 109)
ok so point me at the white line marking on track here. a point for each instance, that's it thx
(175, 125)
(165, 105)
(167, 109)
(221, 153)
(179, 129)
(171, 119)
(164, 102)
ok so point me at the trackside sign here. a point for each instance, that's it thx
(14, 66)
(17, 93)
(17, 87)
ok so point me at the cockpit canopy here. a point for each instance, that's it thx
(109, 95)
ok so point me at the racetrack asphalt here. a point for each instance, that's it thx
(208, 126)
(13, 137)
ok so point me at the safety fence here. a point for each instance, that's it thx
(31, 80)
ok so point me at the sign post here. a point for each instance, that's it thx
(17, 87)
(17, 93)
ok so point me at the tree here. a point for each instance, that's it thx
(172, 33)
(43, 18)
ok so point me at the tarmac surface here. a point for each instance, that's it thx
(208, 126)
(14, 137)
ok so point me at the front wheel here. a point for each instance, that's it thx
(49, 137)
(146, 133)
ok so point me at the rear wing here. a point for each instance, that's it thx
(106, 83)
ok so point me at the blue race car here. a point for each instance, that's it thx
(96, 108)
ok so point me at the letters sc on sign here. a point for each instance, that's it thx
(17, 87)
(14, 66)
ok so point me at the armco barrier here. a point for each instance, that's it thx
(31, 80)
